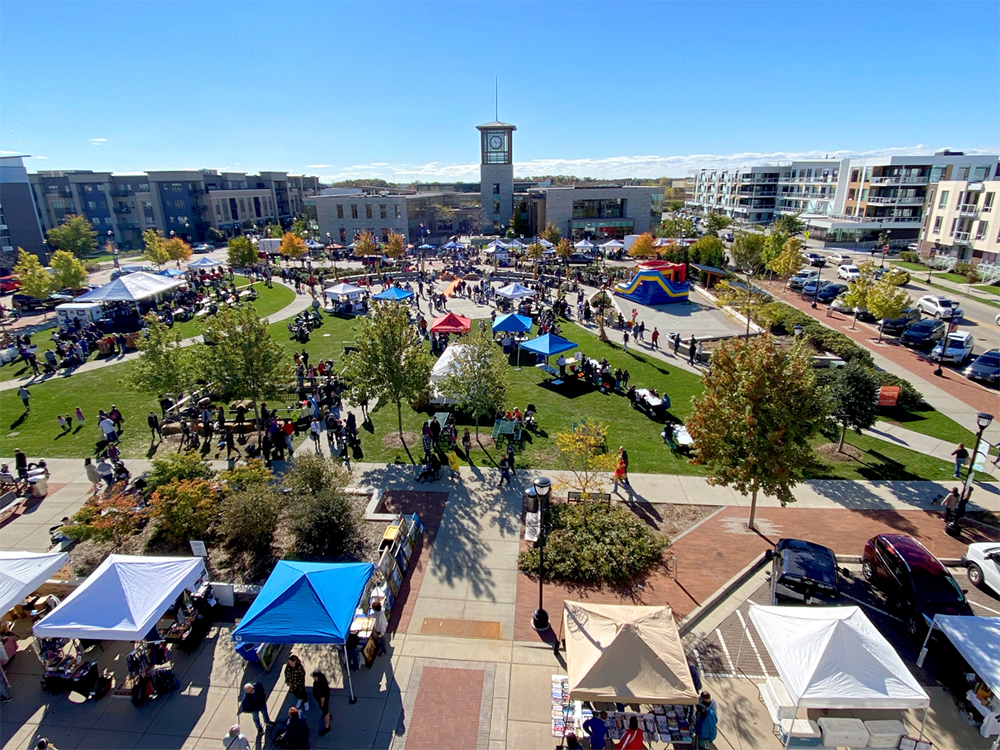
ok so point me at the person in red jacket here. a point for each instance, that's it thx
(632, 739)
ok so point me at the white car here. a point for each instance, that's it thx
(957, 348)
(839, 305)
(982, 560)
(913, 247)
(839, 260)
(848, 272)
(939, 307)
(800, 279)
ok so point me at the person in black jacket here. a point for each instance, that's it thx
(321, 694)
(296, 733)
(255, 702)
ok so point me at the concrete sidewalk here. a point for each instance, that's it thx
(297, 305)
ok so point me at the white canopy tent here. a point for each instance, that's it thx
(205, 262)
(445, 366)
(545, 243)
(123, 599)
(613, 245)
(516, 245)
(23, 572)
(515, 291)
(977, 639)
(344, 290)
(133, 287)
(625, 654)
(584, 245)
(834, 657)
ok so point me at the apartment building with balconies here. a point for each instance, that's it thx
(962, 220)
(744, 194)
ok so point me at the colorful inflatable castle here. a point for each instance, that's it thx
(656, 282)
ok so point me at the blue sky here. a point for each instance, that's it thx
(602, 89)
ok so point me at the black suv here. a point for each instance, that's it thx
(913, 580)
(895, 326)
(804, 573)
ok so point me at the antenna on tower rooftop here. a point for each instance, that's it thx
(496, 98)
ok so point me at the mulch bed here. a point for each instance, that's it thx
(830, 453)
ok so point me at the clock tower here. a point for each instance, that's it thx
(496, 174)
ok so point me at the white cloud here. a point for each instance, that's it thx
(6, 153)
(318, 166)
(97, 141)
(39, 157)
(618, 167)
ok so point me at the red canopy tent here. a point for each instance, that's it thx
(451, 323)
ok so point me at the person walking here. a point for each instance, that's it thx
(79, 417)
(25, 396)
(314, 435)
(655, 338)
(467, 444)
(597, 730)
(295, 679)
(61, 420)
(620, 474)
(698, 353)
(510, 458)
(677, 344)
(108, 430)
(961, 455)
(692, 349)
(707, 720)
(632, 739)
(117, 418)
(379, 627)
(154, 426)
(321, 694)
(235, 739)
(504, 472)
(295, 736)
(625, 341)
(92, 475)
(949, 504)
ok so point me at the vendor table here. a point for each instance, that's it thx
(681, 435)
(990, 714)
(508, 428)
(650, 399)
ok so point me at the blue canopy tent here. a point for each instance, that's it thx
(513, 323)
(304, 602)
(172, 273)
(393, 294)
(547, 345)
(451, 246)
(205, 262)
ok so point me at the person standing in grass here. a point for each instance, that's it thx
(25, 395)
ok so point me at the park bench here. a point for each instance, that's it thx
(573, 496)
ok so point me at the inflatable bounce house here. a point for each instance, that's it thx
(656, 282)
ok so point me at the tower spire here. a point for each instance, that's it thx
(496, 98)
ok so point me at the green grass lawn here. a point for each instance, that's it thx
(952, 277)
(911, 266)
(987, 289)
(930, 422)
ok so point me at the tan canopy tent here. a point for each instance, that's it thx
(625, 654)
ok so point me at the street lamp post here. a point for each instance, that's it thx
(542, 487)
(983, 420)
(819, 273)
(114, 248)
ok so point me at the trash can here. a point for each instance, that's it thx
(39, 485)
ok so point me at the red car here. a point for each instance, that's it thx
(9, 284)
(913, 580)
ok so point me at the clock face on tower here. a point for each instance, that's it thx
(496, 142)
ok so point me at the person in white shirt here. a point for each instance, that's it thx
(235, 739)
(562, 366)
(379, 626)
(108, 428)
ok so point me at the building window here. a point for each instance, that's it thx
(182, 220)
(496, 188)
(381, 211)
(954, 226)
(107, 220)
(171, 219)
(963, 173)
(340, 210)
(150, 221)
(100, 188)
(178, 204)
(57, 204)
(864, 194)
(943, 200)
(177, 187)
(938, 220)
(144, 187)
(851, 193)
(396, 206)
(88, 188)
(354, 211)
(988, 202)
(983, 228)
(243, 207)
(981, 173)
(92, 204)
(218, 210)
(368, 210)
(147, 204)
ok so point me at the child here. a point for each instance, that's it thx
(62, 424)
(79, 416)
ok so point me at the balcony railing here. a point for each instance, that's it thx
(899, 180)
(882, 199)
(968, 209)
(962, 237)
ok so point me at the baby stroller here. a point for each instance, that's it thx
(530, 423)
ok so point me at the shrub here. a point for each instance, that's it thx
(92, 267)
(909, 257)
(104, 519)
(324, 525)
(249, 519)
(186, 510)
(595, 543)
(312, 474)
(244, 477)
(179, 466)
(910, 399)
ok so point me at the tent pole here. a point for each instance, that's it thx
(923, 721)
(927, 638)
(791, 727)
(350, 682)
(743, 637)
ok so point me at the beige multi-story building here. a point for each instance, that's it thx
(962, 221)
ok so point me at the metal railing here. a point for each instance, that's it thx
(968, 209)
(962, 237)
(899, 180)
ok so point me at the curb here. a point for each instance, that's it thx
(708, 606)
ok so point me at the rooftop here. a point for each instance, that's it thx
(496, 124)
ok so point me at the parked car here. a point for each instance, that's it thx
(800, 278)
(24, 303)
(126, 270)
(850, 273)
(839, 259)
(841, 306)
(913, 247)
(580, 259)
(9, 283)
(830, 292)
(955, 347)
(913, 581)
(804, 573)
(809, 288)
(939, 307)
(904, 274)
(814, 259)
(895, 326)
(202, 248)
(924, 334)
(982, 561)
(985, 367)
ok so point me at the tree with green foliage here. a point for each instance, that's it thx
(774, 244)
(299, 227)
(564, 249)
(163, 365)
(535, 251)
(717, 222)
(273, 231)
(853, 399)
(753, 422)
(790, 224)
(186, 509)
(180, 467)
(552, 233)
(244, 362)
(859, 289)
(241, 252)
(747, 255)
(789, 261)
(677, 228)
(478, 378)
(156, 250)
(323, 521)
(177, 250)
(75, 235)
(389, 363)
(886, 300)
(583, 453)
(674, 206)
(707, 251)
(68, 272)
(214, 235)
(35, 280)
(364, 245)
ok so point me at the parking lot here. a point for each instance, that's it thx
(732, 650)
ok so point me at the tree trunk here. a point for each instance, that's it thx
(399, 423)
(879, 341)
(843, 434)
(753, 509)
